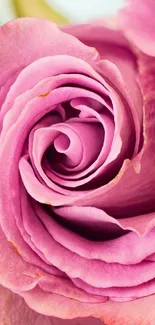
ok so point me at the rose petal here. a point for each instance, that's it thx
(6, 87)
(138, 24)
(96, 33)
(43, 39)
(119, 294)
(14, 311)
(131, 188)
(137, 312)
(73, 264)
(89, 217)
(91, 272)
(47, 67)
(107, 123)
(21, 276)
(113, 47)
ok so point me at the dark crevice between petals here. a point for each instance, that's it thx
(93, 233)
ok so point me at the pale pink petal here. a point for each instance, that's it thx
(137, 312)
(43, 38)
(14, 311)
(137, 23)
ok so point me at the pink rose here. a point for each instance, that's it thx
(77, 180)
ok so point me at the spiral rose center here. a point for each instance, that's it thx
(62, 143)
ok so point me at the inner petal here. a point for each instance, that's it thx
(88, 223)
(96, 145)
(75, 144)
(62, 143)
(62, 149)
(91, 136)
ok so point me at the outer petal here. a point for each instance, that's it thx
(18, 275)
(96, 32)
(14, 311)
(110, 43)
(137, 312)
(138, 23)
(27, 39)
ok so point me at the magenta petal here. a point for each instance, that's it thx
(47, 67)
(109, 251)
(74, 267)
(90, 113)
(22, 276)
(14, 276)
(6, 87)
(114, 48)
(79, 133)
(119, 294)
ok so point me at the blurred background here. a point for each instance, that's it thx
(60, 11)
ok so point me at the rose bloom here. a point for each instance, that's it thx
(77, 170)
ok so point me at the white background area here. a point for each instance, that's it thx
(75, 10)
(84, 10)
